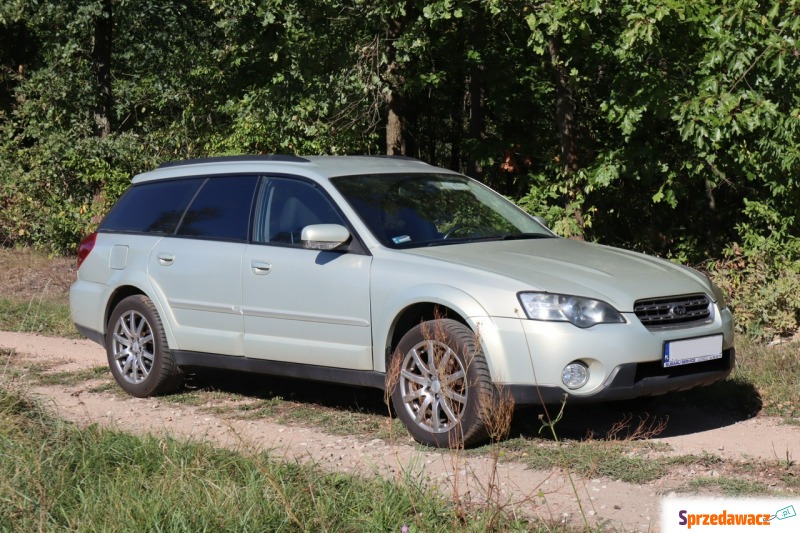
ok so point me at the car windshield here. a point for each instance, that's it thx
(412, 210)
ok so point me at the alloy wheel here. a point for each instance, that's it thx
(133, 347)
(433, 386)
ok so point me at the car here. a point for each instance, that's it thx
(384, 272)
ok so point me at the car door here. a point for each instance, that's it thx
(198, 269)
(301, 305)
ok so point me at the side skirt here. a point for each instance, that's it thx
(360, 378)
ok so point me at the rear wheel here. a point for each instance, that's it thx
(442, 380)
(137, 350)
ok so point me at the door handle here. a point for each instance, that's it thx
(166, 259)
(260, 268)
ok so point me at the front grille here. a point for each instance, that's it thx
(657, 313)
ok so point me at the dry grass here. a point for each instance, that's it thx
(30, 275)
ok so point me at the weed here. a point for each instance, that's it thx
(787, 461)
(644, 429)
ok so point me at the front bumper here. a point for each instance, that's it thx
(633, 380)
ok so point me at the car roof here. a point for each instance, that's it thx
(318, 167)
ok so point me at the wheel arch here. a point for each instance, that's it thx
(415, 314)
(131, 289)
(425, 303)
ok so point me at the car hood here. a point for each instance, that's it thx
(619, 277)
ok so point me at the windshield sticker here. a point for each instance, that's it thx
(401, 239)
(452, 186)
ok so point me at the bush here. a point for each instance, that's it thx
(762, 274)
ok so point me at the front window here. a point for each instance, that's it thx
(286, 206)
(410, 210)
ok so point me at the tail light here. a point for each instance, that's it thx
(85, 247)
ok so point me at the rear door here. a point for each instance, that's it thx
(198, 269)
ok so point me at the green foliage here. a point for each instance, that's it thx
(762, 274)
(763, 290)
(685, 115)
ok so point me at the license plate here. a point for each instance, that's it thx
(688, 351)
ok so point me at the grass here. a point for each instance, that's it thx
(73, 377)
(774, 371)
(35, 291)
(632, 463)
(728, 486)
(45, 316)
(56, 477)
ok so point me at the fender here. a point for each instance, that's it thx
(503, 340)
(141, 282)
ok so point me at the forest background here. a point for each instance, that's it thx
(670, 127)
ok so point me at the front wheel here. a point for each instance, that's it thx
(137, 350)
(442, 380)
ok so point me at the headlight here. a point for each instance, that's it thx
(718, 295)
(582, 312)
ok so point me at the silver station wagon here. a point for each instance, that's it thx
(384, 272)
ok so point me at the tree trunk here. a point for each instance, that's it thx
(456, 130)
(397, 108)
(101, 59)
(567, 129)
(395, 124)
(104, 98)
(476, 96)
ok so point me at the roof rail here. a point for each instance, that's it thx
(234, 158)
(401, 157)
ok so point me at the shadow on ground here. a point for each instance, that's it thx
(681, 413)
(265, 387)
(687, 412)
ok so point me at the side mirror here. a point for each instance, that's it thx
(324, 236)
(541, 220)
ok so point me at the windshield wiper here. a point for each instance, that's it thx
(515, 236)
(505, 237)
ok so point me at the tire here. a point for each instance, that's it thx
(441, 379)
(137, 349)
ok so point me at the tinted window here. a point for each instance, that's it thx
(287, 206)
(221, 210)
(154, 207)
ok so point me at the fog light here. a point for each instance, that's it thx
(575, 375)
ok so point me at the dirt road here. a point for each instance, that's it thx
(548, 494)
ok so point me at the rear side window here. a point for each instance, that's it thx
(154, 207)
(221, 209)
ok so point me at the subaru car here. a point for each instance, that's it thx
(390, 273)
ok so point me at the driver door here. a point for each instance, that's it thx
(299, 305)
